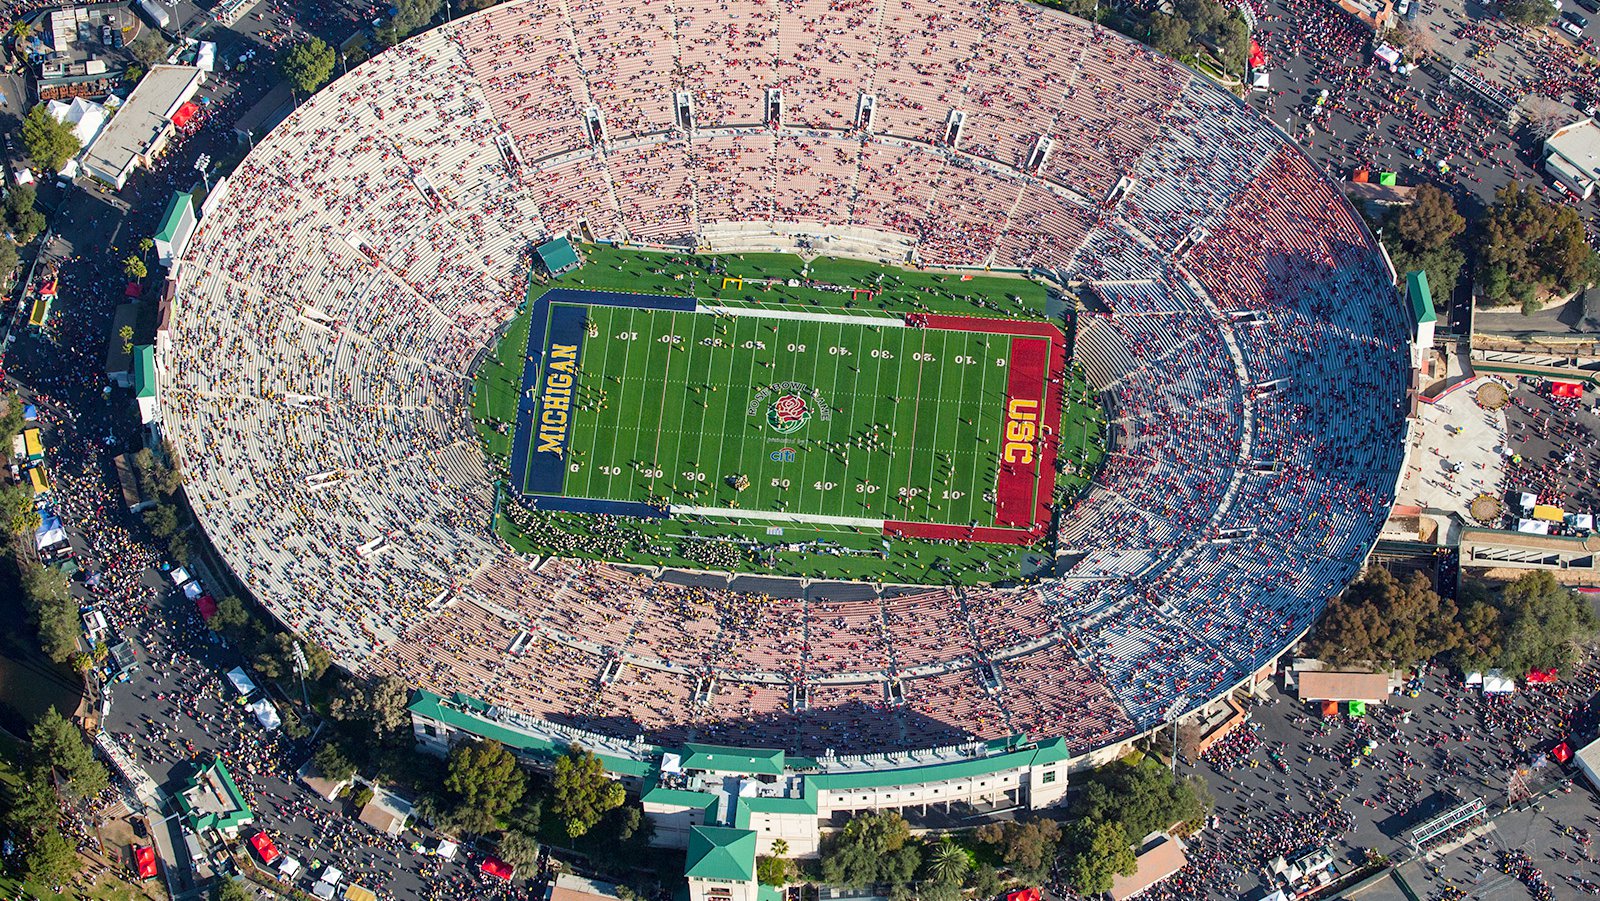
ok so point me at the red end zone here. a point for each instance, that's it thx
(1027, 478)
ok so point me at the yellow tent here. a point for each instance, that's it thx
(358, 893)
(41, 481)
(1549, 513)
(33, 444)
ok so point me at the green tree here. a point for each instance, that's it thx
(484, 782)
(309, 64)
(1142, 796)
(150, 48)
(618, 841)
(20, 31)
(872, 849)
(380, 703)
(134, 268)
(1542, 620)
(332, 762)
(1027, 846)
(1096, 852)
(49, 143)
(947, 862)
(145, 246)
(411, 17)
(228, 889)
(774, 869)
(581, 792)
(518, 848)
(49, 858)
(51, 609)
(1529, 13)
(161, 520)
(16, 507)
(985, 882)
(1426, 236)
(1527, 245)
(1380, 621)
(56, 746)
(1169, 34)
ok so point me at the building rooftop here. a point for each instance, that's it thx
(716, 852)
(1421, 297)
(172, 218)
(146, 114)
(1578, 144)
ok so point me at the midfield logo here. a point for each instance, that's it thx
(788, 414)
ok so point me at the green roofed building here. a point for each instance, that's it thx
(1423, 316)
(176, 227)
(721, 866)
(557, 256)
(210, 801)
(765, 792)
(144, 383)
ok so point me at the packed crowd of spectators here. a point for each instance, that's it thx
(317, 374)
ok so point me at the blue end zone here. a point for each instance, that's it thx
(590, 505)
(558, 319)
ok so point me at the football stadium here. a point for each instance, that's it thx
(614, 501)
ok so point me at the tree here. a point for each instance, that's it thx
(1028, 846)
(985, 882)
(381, 703)
(1527, 245)
(332, 763)
(1380, 621)
(20, 31)
(161, 520)
(228, 889)
(50, 858)
(581, 792)
(1545, 116)
(309, 64)
(1425, 236)
(145, 246)
(1142, 796)
(49, 143)
(774, 870)
(1418, 43)
(56, 746)
(20, 515)
(618, 840)
(51, 609)
(948, 862)
(518, 848)
(411, 16)
(874, 848)
(134, 268)
(1542, 620)
(1097, 851)
(1529, 13)
(150, 48)
(485, 783)
(1169, 34)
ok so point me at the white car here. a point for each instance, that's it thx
(1571, 28)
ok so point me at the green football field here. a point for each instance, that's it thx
(665, 411)
(890, 423)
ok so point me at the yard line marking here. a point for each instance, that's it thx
(777, 516)
(916, 411)
(661, 410)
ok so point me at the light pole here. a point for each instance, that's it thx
(1171, 717)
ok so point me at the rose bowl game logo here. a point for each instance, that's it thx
(788, 414)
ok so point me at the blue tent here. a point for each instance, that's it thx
(30, 412)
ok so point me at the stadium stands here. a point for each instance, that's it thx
(315, 382)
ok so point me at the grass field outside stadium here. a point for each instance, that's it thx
(790, 417)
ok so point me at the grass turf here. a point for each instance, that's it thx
(810, 549)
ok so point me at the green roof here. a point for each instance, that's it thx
(1421, 297)
(557, 254)
(433, 706)
(682, 798)
(144, 370)
(723, 759)
(173, 217)
(1046, 752)
(716, 852)
(238, 812)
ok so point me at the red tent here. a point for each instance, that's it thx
(207, 605)
(1566, 389)
(132, 290)
(497, 868)
(185, 113)
(1025, 894)
(1543, 676)
(1330, 709)
(1562, 752)
(265, 849)
(144, 860)
(1258, 58)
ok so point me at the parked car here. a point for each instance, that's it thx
(1576, 19)
(1590, 5)
(1570, 28)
